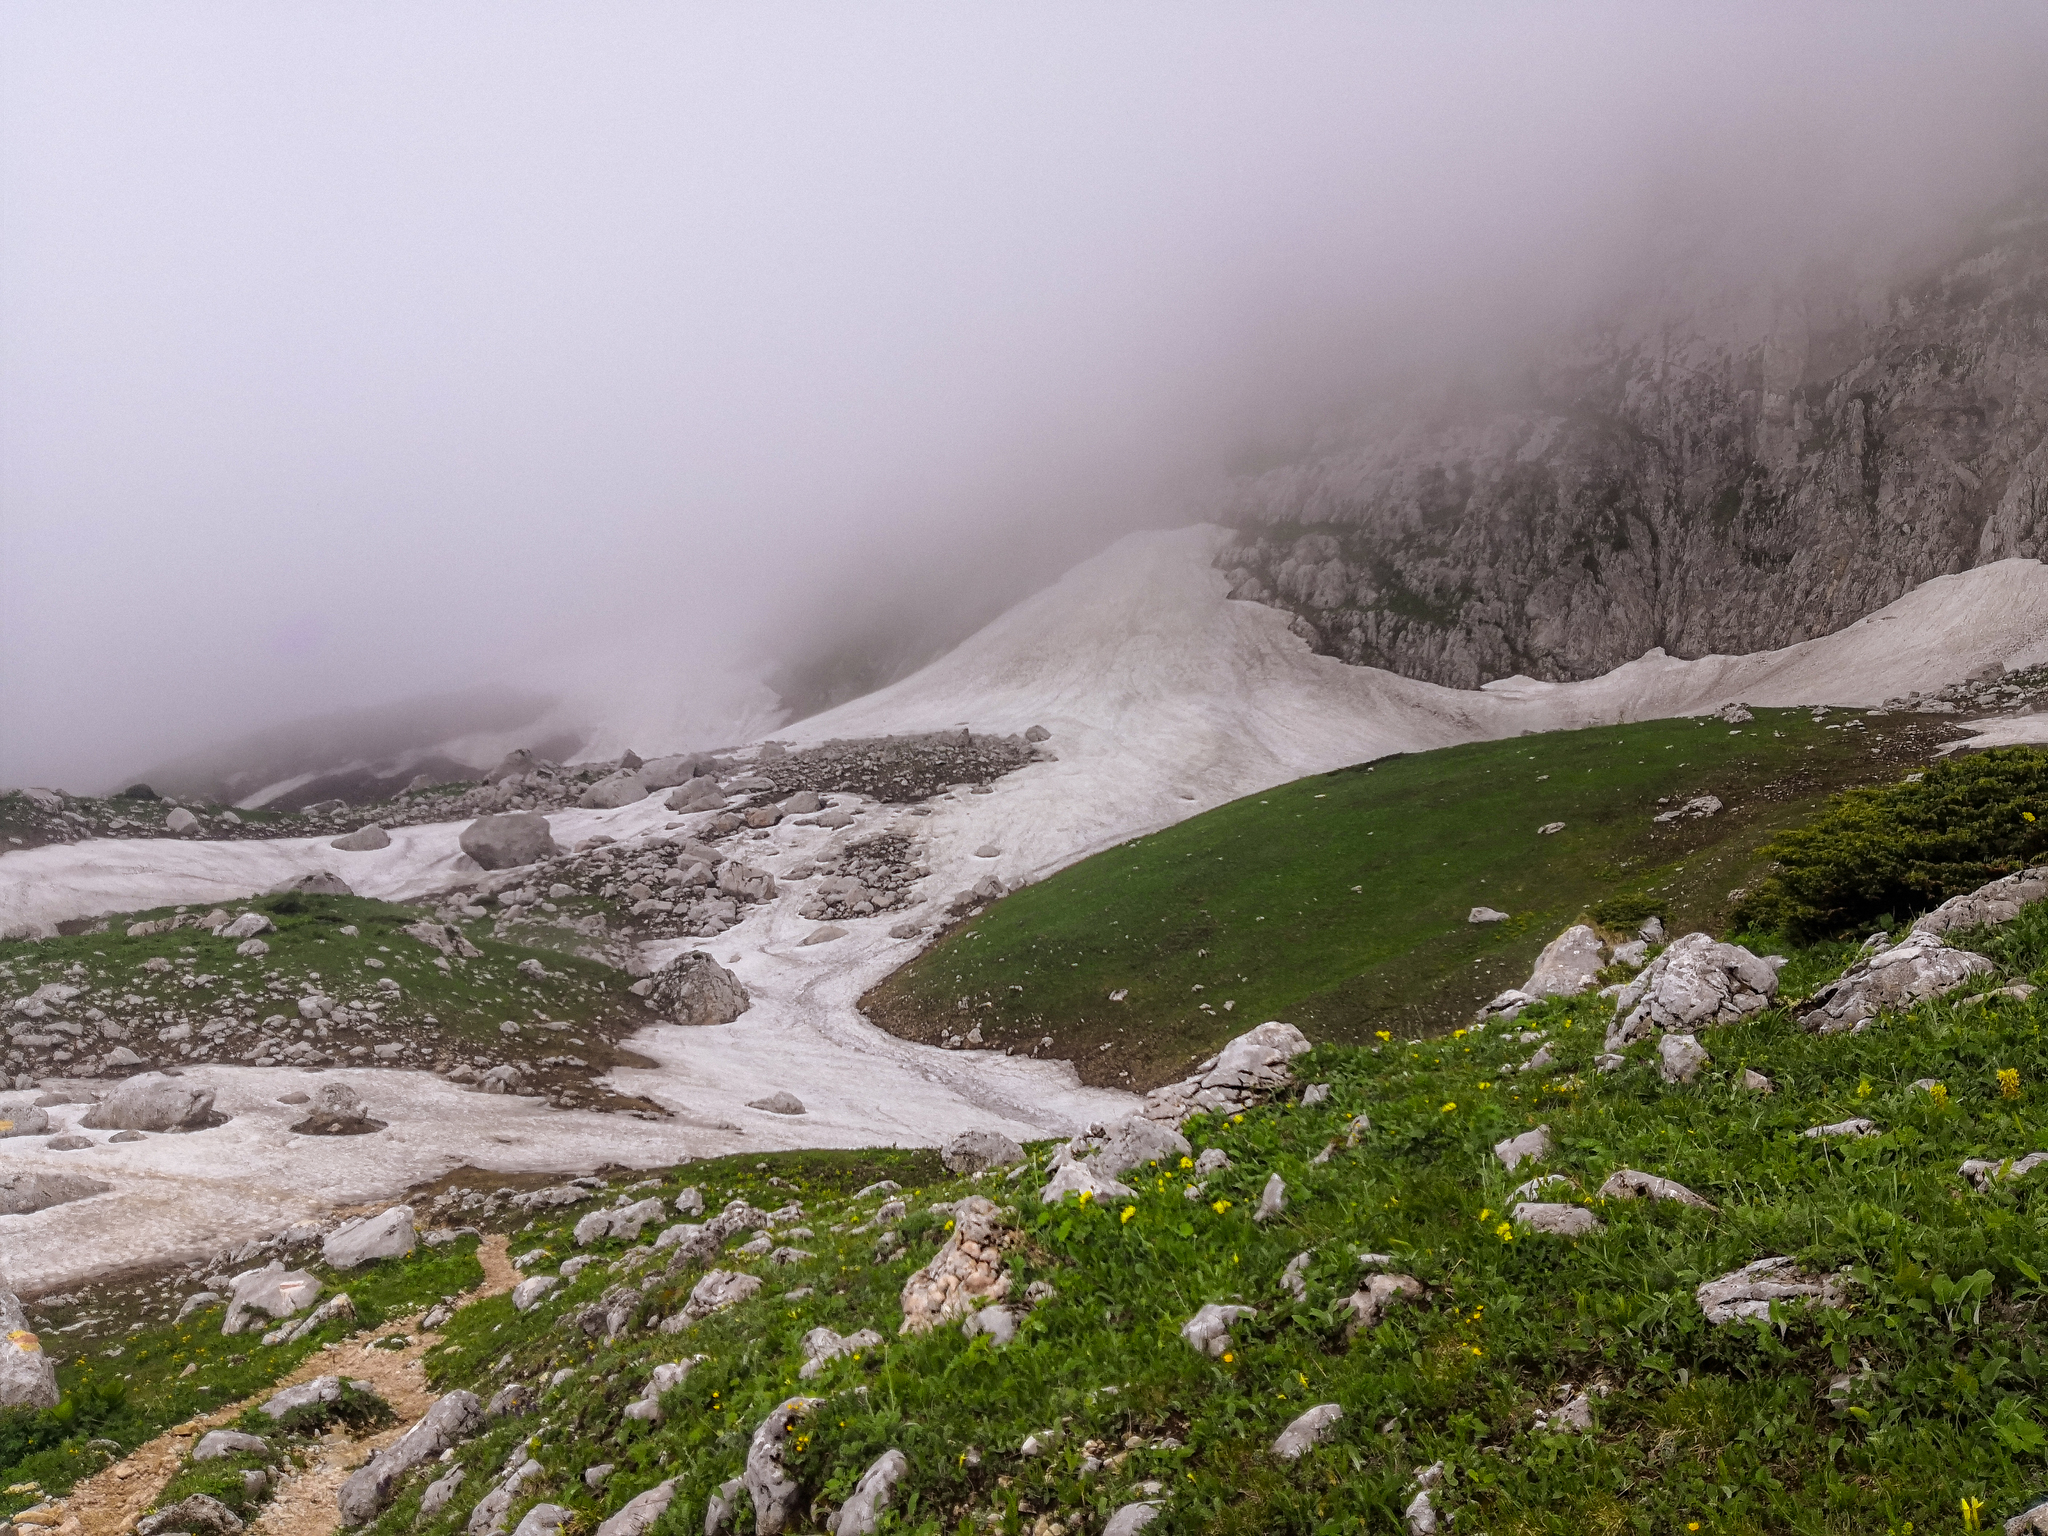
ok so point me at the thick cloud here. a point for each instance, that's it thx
(642, 353)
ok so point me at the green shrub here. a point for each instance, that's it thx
(1906, 847)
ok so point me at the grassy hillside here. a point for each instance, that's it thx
(187, 995)
(1339, 902)
(1922, 1396)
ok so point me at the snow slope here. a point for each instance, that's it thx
(1163, 697)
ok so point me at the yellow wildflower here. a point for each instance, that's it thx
(1220, 1206)
(1450, 1106)
(1505, 1232)
(2008, 1082)
(1939, 1093)
(1129, 1212)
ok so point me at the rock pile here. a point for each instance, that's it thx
(693, 988)
(1697, 981)
(1918, 969)
(968, 1271)
(1249, 1070)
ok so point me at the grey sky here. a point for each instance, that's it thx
(354, 352)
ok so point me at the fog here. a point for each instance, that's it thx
(654, 356)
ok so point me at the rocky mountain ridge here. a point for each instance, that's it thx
(1693, 478)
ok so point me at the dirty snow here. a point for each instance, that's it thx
(1164, 698)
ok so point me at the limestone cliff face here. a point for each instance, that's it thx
(1722, 482)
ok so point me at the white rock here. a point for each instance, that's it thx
(1984, 1171)
(1085, 1177)
(247, 926)
(530, 1290)
(1485, 915)
(1628, 1184)
(1854, 1127)
(1916, 970)
(1568, 965)
(1750, 1290)
(774, 1490)
(821, 1346)
(364, 840)
(1557, 1220)
(1680, 1058)
(1130, 1519)
(862, 1510)
(1696, 982)
(151, 1102)
(272, 1290)
(387, 1235)
(1307, 1431)
(1529, 1147)
(28, 1377)
(1988, 905)
(1208, 1331)
(1272, 1200)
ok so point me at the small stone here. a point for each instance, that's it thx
(1529, 1147)
(1307, 1431)
(1557, 1220)
(988, 851)
(367, 840)
(1680, 1058)
(1855, 1127)
(1485, 915)
(1208, 1331)
(1272, 1200)
(1755, 1082)
(1628, 1184)
(781, 1102)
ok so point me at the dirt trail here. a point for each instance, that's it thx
(110, 1501)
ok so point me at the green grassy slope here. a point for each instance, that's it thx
(1339, 902)
(1926, 1391)
(345, 948)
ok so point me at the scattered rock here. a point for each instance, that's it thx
(974, 1151)
(152, 1102)
(624, 1221)
(613, 791)
(966, 1272)
(1529, 1147)
(693, 989)
(509, 839)
(824, 935)
(1370, 1303)
(195, 1513)
(28, 1377)
(319, 883)
(180, 822)
(1569, 964)
(1680, 1058)
(1696, 982)
(305, 1394)
(780, 1102)
(1988, 905)
(387, 1235)
(1485, 915)
(772, 1488)
(247, 926)
(438, 1495)
(272, 1290)
(365, 840)
(639, 1513)
(543, 1520)
(216, 1443)
(1307, 1431)
(1983, 1171)
(1247, 1071)
(1755, 1082)
(530, 1291)
(29, 1120)
(1272, 1200)
(1916, 970)
(1557, 1220)
(1750, 1290)
(1208, 1331)
(337, 1111)
(1130, 1519)
(1853, 1127)
(715, 1292)
(454, 1418)
(860, 1514)
(1698, 808)
(1083, 1178)
(821, 1346)
(1628, 1184)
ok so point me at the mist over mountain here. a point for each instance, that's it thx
(1699, 471)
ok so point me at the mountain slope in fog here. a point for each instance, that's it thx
(1718, 477)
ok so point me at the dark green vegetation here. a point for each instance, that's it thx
(125, 1384)
(1903, 848)
(1339, 902)
(570, 1017)
(1928, 1389)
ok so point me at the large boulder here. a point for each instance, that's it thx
(613, 791)
(697, 794)
(973, 1151)
(1246, 1071)
(28, 1379)
(515, 764)
(454, 1418)
(693, 988)
(28, 1120)
(1914, 971)
(668, 772)
(509, 839)
(337, 1110)
(1749, 1291)
(153, 1102)
(247, 926)
(772, 1485)
(1569, 964)
(965, 1273)
(1696, 982)
(26, 1190)
(640, 1512)
(364, 840)
(272, 1290)
(1988, 905)
(387, 1235)
(745, 882)
(862, 1510)
(319, 883)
